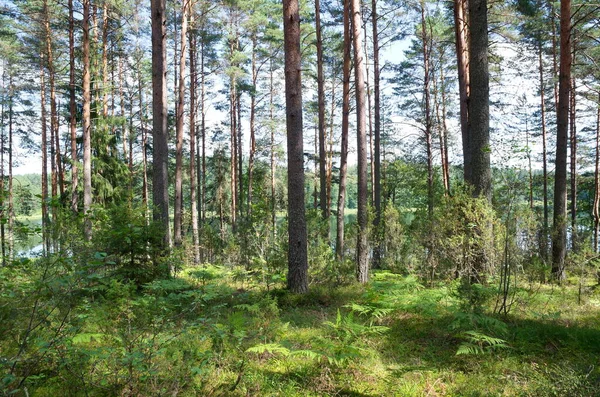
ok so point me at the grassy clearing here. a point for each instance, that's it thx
(199, 334)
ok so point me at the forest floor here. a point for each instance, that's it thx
(211, 332)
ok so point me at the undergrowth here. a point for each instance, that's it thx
(206, 333)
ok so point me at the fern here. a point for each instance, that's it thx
(479, 343)
(272, 348)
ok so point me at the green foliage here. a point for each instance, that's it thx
(463, 237)
(478, 343)
(129, 243)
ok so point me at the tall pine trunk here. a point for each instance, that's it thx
(297, 280)
(321, 116)
(87, 123)
(341, 202)
(178, 207)
(545, 227)
(461, 33)
(559, 233)
(377, 140)
(362, 254)
(72, 113)
(44, 144)
(192, 169)
(160, 152)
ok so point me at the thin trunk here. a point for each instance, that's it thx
(529, 167)
(545, 226)
(446, 164)
(442, 127)
(44, 138)
(73, 112)
(297, 280)
(203, 132)
(595, 208)
(330, 151)
(428, 120)
(316, 170)
(3, 214)
(369, 116)
(233, 141)
(11, 210)
(87, 123)
(573, 164)
(178, 207)
(105, 61)
(341, 203)
(144, 144)
(193, 200)
(54, 138)
(362, 254)
(321, 115)
(377, 140)
(559, 235)
(252, 134)
(272, 128)
(240, 158)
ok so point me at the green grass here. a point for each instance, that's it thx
(200, 334)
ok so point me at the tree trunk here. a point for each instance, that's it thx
(573, 164)
(87, 123)
(3, 215)
(203, 134)
(272, 128)
(252, 132)
(341, 202)
(297, 280)
(321, 115)
(11, 209)
(595, 208)
(45, 220)
(479, 176)
(72, 112)
(461, 31)
(193, 199)
(545, 227)
(559, 234)
(178, 207)
(428, 119)
(377, 140)
(362, 249)
(160, 152)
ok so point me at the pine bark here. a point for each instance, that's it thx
(461, 31)
(377, 139)
(72, 113)
(596, 206)
(44, 148)
(559, 235)
(479, 176)
(573, 165)
(297, 280)
(341, 202)
(192, 126)
(545, 225)
(178, 207)
(362, 254)
(160, 153)
(87, 123)
(321, 115)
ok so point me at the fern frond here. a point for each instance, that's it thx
(273, 348)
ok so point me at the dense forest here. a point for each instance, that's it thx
(249, 197)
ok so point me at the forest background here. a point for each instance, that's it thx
(215, 179)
